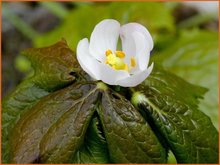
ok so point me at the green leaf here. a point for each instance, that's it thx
(129, 137)
(194, 57)
(53, 130)
(94, 148)
(55, 67)
(171, 105)
(78, 25)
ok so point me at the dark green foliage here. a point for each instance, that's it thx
(172, 106)
(64, 138)
(49, 126)
(194, 57)
(129, 137)
(53, 130)
(59, 116)
(94, 148)
(55, 67)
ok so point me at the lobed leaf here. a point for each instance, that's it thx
(55, 67)
(194, 57)
(53, 129)
(172, 105)
(129, 137)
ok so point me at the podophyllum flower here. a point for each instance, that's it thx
(103, 61)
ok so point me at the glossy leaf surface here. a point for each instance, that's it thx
(49, 126)
(194, 57)
(172, 105)
(55, 67)
(129, 137)
(86, 122)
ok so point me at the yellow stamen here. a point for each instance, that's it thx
(133, 62)
(115, 62)
(120, 54)
(108, 52)
(126, 67)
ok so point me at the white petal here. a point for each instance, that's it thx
(86, 61)
(142, 50)
(104, 36)
(111, 76)
(136, 41)
(128, 44)
(126, 32)
(96, 69)
(136, 79)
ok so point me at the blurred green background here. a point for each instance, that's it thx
(185, 36)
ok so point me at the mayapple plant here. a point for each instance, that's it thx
(105, 105)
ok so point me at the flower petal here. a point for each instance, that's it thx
(104, 36)
(96, 69)
(86, 61)
(126, 32)
(136, 41)
(142, 50)
(136, 79)
(111, 76)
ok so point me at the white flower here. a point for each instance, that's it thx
(103, 61)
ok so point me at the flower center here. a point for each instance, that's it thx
(116, 60)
